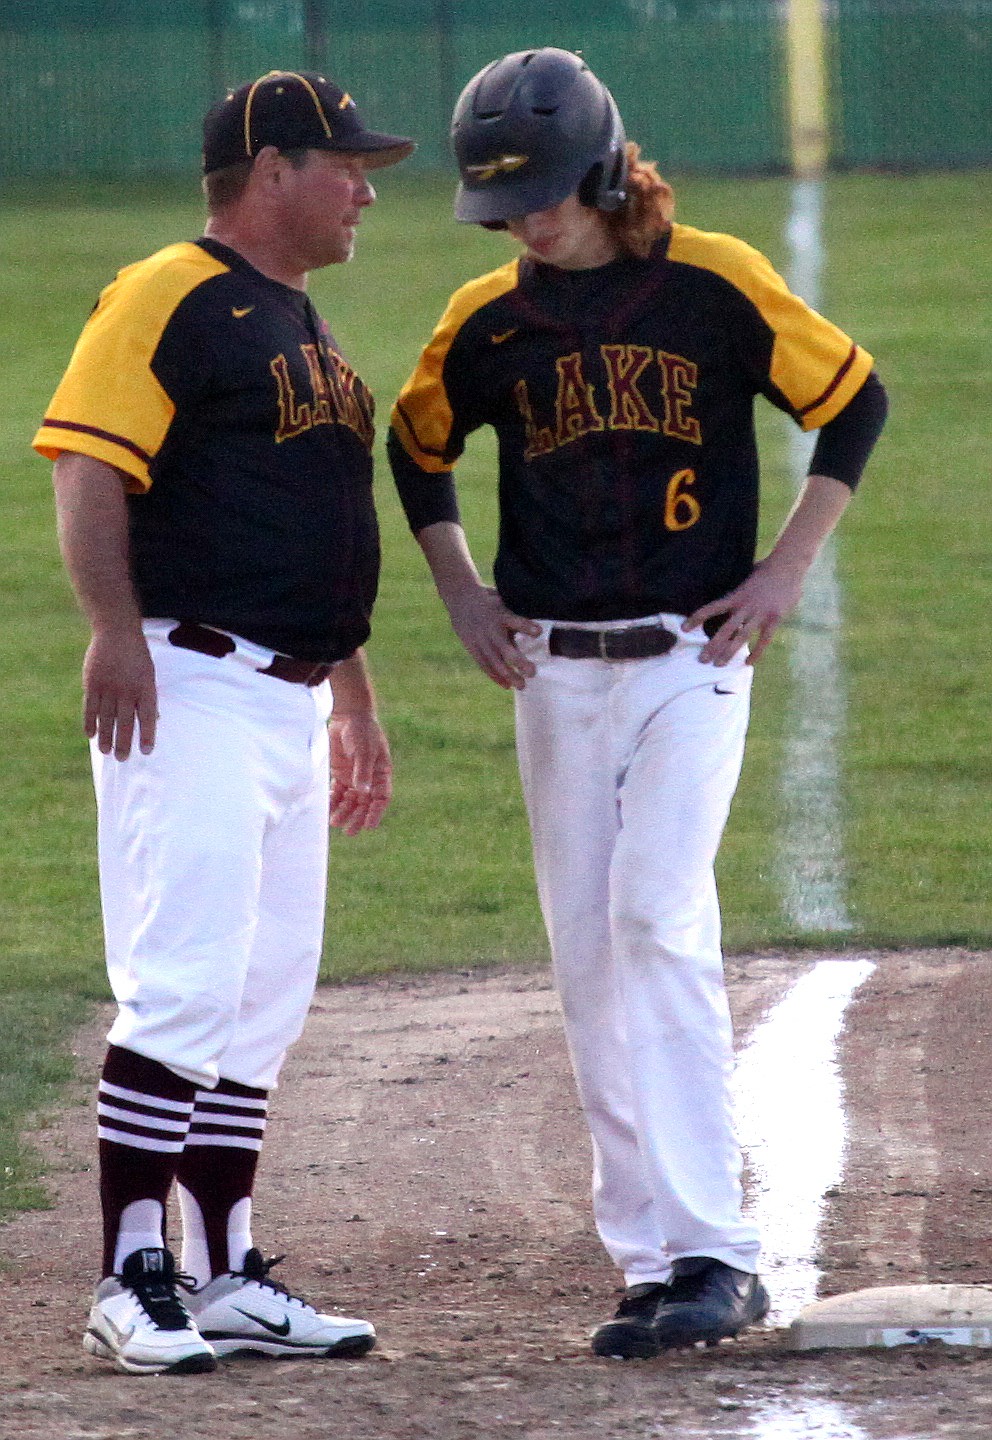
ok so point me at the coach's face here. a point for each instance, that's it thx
(322, 204)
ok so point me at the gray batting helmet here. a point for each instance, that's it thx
(531, 129)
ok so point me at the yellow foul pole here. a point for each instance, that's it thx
(806, 47)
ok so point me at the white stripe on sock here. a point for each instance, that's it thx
(141, 1117)
(236, 1102)
(141, 1142)
(182, 1107)
(234, 1142)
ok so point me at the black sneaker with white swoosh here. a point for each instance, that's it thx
(705, 1301)
(708, 1301)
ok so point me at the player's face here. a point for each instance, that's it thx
(569, 235)
(324, 200)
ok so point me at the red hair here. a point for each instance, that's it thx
(649, 210)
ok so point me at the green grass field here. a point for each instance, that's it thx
(447, 880)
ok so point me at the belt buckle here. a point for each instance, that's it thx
(602, 638)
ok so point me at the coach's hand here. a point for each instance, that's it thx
(487, 629)
(119, 688)
(361, 772)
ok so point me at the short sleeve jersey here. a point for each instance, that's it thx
(246, 438)
(623, 402)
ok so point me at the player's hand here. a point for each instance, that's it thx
(754, 609)
(487, 628)
(118, 689)
(361, 772)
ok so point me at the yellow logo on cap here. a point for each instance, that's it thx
(503, 166)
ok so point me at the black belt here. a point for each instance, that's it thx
(190, 636)
(636, 642)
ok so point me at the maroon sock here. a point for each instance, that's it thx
(217, 1171)
(144, 1111)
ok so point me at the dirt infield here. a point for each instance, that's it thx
(426, 1166)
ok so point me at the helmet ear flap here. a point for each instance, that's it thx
(590, 187)
(600, 192)
(617, 184)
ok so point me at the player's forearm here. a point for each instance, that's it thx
(92, 518)
(813, 518)
(446, 551)
(351, 684)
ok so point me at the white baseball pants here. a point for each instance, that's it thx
(628, 772)
(213, 865)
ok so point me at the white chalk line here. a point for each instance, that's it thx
(791, 1124)
(810, 862)
(802, 1415)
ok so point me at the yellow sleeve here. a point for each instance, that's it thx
(109, 404)
(813, 364)
(422, 418)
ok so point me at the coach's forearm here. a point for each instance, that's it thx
(118, 674)
(92, 519)
(351, 685)
(361, 767)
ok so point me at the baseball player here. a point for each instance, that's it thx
(617, 360)
(213, 478)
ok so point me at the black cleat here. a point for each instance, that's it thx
(709, 1301)
(630, 1335)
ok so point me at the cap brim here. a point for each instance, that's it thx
(511, 197)
(377, 150)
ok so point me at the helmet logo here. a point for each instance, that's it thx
(503, 166)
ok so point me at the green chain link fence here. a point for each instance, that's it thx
(912, 83)
(91, 88)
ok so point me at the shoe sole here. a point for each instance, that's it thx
(350, 1348)
(198, 1363)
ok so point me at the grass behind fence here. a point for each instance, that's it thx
(447, 881)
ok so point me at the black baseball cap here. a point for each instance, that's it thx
(293, 111)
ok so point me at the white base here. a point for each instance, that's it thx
(897, 1315)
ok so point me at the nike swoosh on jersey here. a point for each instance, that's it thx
(240, 313)
(498, 339)
(718, 691)
(280, 1329)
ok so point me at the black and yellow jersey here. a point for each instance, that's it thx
(246, 439)
(622, 398)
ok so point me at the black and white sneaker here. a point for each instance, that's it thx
(245, 1310)
(708, 1301)
(138, 1320)
(630, 1335)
